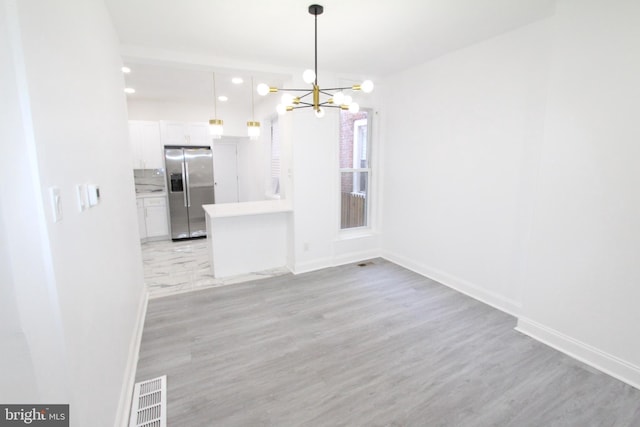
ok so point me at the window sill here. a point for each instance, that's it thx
(356, 233)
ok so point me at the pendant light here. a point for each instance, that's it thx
(253, 127)
(333, 97)
(215, 124)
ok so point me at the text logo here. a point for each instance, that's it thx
(34, 415)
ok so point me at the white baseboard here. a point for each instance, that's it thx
(309, 266)
(354, 257)
(474, 291)
(348, 258)
(122, 417)
(602, 361)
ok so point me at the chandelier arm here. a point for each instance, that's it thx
(294, 90)
(339, 88)
(297, 102)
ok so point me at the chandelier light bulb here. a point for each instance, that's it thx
(367, 86)
(317, 98)
(263, 89)
(287, 99)
(338, 98)
(309, 76)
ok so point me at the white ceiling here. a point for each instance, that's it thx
(367, 38)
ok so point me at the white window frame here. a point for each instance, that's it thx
(368, 149)
(275, 182)
(357, 152)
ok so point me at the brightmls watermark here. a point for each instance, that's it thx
(34, 415)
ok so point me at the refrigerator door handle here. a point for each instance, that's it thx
(187, 187)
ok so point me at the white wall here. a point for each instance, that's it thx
(460, 153)
(32, 363)
(318, 242)
(581, 282)
(77, 283)
(510, 174)
(314, 144)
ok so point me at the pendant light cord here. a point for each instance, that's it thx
(215, 100)
(316, 48)
(253, 118)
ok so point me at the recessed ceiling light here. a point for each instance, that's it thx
(237, 80)
(129, 90)
(223, 98)
(126, 70)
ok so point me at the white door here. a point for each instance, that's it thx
(225, 172)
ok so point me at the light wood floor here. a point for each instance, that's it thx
(364, 346)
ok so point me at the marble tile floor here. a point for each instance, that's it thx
(177, 267)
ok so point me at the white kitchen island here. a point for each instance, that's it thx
(248, 237)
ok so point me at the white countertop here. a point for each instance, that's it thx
(261, 207)
(151, 194)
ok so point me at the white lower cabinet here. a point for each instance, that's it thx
(152, 217)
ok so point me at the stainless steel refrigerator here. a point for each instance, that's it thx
(190, 185)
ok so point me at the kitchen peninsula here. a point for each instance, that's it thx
(248, 237)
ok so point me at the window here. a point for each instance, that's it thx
(355, 169)
(275, 157)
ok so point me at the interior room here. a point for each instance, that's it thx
(410, 213)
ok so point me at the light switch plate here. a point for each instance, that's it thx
(56, 204)
(93, 193)
(81, 193)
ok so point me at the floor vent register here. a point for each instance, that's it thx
(149, 407)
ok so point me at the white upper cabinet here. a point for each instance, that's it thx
(173, 133)
(179, 133)
(146, 148)
(199, 134)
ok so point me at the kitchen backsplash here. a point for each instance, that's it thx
(149, 180)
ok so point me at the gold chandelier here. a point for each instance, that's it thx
(319, 98)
